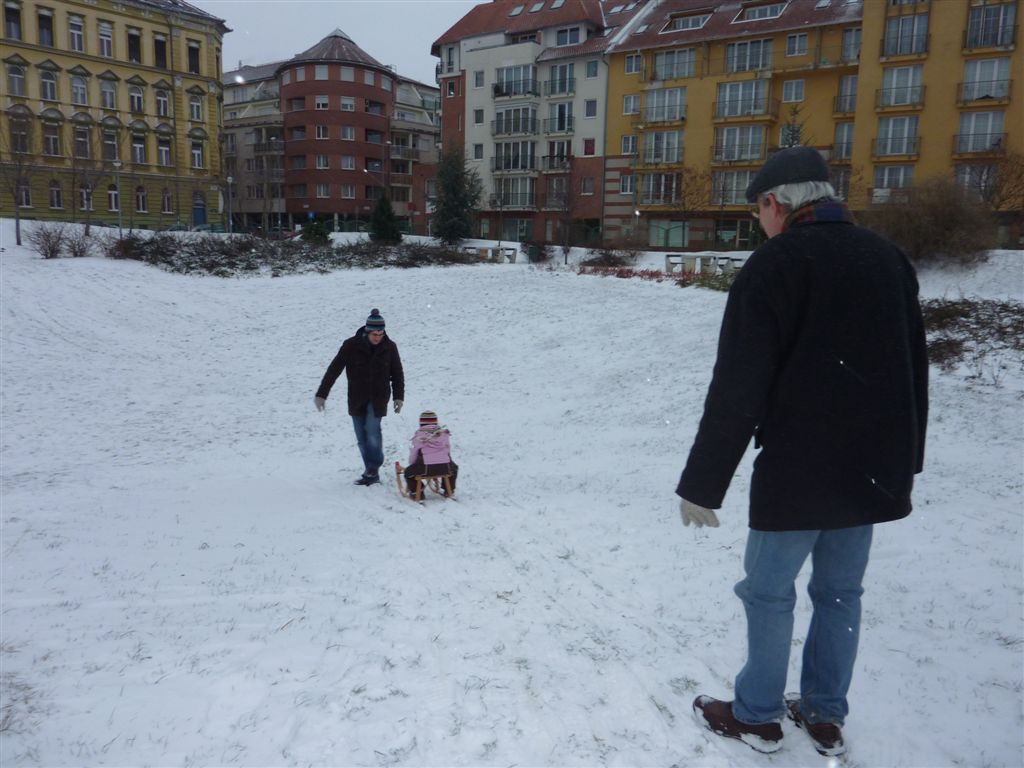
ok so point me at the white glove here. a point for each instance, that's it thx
(398, 406)
(699, 516)
(320, 402)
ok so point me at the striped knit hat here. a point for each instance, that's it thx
(428, 418)
(374, 322)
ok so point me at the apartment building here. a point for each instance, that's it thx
(111, 112)
(523, 90)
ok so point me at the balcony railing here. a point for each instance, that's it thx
(555, 162)
(907, 96)
(905, 45)
(979, 143)
(516, 88)
(399, 152)
(655, 198)
(660, 157)
(996, 90)
(664, 114)
(514, 126)
(565, 86)
(274, 145)
(737, 153)
(513, 164)
(506, 200)
(559, 125)
(842, 151)
(902, 145)
(990, 36)
(749, 107)
(845, 103)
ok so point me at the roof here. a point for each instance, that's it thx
(532, 15)
(252, 73)
(180, 6)
(336, 47)
(722, 22)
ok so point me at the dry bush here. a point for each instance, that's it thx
(77, 244)
(938, 222)
(47, 239)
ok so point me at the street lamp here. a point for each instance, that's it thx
(230, 181)
(120, 202)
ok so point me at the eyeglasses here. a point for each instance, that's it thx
(375, 333)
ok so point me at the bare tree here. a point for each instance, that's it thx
(16, 163)
(562, 196)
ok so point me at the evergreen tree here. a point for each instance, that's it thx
(383, 223)
(458, 197)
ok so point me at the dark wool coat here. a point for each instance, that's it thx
(374, 373)
(822, 359)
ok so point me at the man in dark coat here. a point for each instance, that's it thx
(822, 360)
(374, 369)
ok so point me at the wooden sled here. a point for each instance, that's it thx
(433, 482)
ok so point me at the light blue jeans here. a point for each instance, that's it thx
(772, 561)
(371, 444)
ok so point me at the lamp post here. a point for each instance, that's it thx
(120, 203)
(230, 181)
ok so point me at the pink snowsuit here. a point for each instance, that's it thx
(433, 442)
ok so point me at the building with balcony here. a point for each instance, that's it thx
(111, 112)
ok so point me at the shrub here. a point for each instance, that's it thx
(938, 223)
(606, 256)
(77, 243)
(315, 232)
(47, 239)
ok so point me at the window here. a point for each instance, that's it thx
(44, 17)
(560, 118)
(108, 94)
(165, 201)
(141, 200)
(627, 184)
(478, 78)
(135, 46)
(113, 198)
(793, 90)
(986, 79)
(629, 145)
(348, 191)
(729, 187)
(195, 108)
(748, 56)
(450, 88)
(368, 77)
(320, 102)
(163, 104)
(12, 21)
(323, 190)
(589, 147)
(348, 163)
(991, 25)
(570, 36)
(894, 176)
(906, 35)
(746, 97)
(634, 63)
(591, 69)
(670, 65)
(197, 154)
(478, 151)
(772, 11)
(106, 33)
(842, 149)
(79, 91)
(135, 99)
(517, 10)
(85, 197)
(978, 180)
(23, 193)
(47, 86)
(56, 195)
(348, 104)
(76, 34)
(590, 108)
(851, 44)
(323, 161)
(83, 142)
(587, 185)
(901, 86)
(51, 139)
(631, 104)
(193, 57)
(515, 81)
(739, 142)
(847, 101)
(160, 51)
(665, 104)
(658, 188)
(348, 74)
(796, 45)
(111, 146)
(663, 147)
(322, 132)
(678, 23)
(139, 148)
(478, 117)
(896, 136)
(562, 80)
(981, 132)
(163, 151)
(320, 72)
(16, 79)
(348, 133)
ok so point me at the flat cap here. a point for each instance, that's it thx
(788, 167)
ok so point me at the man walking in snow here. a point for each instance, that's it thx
(374, 369)
(822, 359)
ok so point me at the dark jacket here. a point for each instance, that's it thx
(374, 373)
(822, 359)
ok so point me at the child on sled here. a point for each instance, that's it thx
(430, 454)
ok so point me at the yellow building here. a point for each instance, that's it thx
(890, 91)
(111, 112)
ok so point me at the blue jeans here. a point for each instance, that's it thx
(371, 444)
(772, 561)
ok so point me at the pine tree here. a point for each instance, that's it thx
(458, 197)
(383, 223)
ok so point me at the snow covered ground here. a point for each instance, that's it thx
(189, 576)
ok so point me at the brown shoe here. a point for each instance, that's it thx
(718, 718)
(827, 737)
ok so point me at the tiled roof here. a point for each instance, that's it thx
(253, 73)
(337, 46)
(499, 16)
(722, 23)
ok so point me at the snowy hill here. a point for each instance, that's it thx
(189, 576)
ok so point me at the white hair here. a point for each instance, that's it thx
(799, 193)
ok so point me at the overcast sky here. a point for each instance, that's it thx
(397, 32)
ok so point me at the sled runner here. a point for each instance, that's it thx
(439, 484)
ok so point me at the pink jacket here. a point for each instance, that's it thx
(433, 442)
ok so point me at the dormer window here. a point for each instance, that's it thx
(678, 23)
(570, 36)
(517, 10)
(537, 6)
(557, 4)
(760, 12)
(616, 9)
